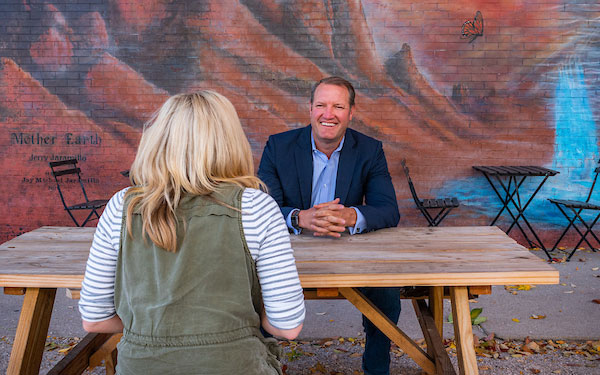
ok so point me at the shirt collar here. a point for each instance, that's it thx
(314, 147)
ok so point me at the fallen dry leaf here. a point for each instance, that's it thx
(65, 350)
(595, 268)
(596, 301)
(534, 316)
(533, 346)
(516, 320)
(518, 287)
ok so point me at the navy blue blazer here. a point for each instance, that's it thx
(363, 180)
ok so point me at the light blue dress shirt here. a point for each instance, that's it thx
(323, 184)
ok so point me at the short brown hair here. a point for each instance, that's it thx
(336, 81)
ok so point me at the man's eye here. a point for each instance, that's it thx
(340, 107)
(319, 105)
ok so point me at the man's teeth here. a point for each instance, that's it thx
(327, 124)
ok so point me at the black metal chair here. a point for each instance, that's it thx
(575, 207)
(69, 168)
(444, 205)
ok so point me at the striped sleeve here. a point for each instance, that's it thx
(97, 290)
(269, 243)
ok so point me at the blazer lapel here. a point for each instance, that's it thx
(304, 166)
(346, 164)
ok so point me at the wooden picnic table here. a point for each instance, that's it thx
(47, 258)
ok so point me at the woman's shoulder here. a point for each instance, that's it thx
(116, 201)
(259, 204)
(257, 197)
(119, 196)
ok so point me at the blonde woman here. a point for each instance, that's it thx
(192, 260)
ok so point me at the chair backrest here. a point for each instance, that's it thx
(410, 183)
(596, 171)
(66, 168)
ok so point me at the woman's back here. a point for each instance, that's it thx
(205, 297)
(176, 274)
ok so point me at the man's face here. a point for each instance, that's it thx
(330, 114)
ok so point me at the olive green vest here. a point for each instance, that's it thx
(194, 311)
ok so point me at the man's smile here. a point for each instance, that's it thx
(328, 123)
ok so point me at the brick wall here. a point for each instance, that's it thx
(81, 78)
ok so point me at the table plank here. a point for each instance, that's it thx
(394, 256)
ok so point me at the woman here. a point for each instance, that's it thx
(179, 261)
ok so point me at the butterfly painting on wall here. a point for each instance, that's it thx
(473, 29)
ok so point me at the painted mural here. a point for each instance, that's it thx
(446, 85)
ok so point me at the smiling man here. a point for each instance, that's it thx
(328, 178)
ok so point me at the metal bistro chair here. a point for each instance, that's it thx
(576, 208)
(444, 205)
(69, 168)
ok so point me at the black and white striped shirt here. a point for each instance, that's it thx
(268, 241)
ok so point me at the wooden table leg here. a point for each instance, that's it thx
(390, 329)
(436, 305)
(463, 331)
(435, 346)
(28, 348)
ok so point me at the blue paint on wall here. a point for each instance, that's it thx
(575, 157)
(576, 143)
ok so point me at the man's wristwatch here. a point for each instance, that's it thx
(295, 219)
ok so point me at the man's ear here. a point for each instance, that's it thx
(351, 113)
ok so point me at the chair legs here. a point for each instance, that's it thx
(576, 216)
(435, 221)
(92, 213)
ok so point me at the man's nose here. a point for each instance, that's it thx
(328, 113)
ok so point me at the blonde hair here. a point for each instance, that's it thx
(191, 145)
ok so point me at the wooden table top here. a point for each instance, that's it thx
(55, 257)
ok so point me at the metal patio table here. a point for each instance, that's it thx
(506, 182)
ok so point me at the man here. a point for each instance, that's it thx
(326, 178)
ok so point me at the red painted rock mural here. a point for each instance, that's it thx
(521, 88)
